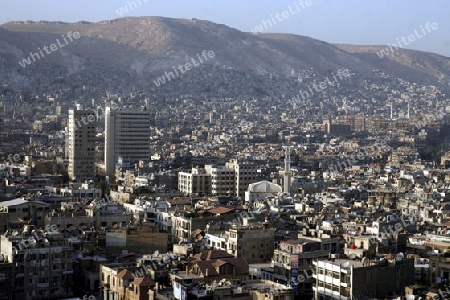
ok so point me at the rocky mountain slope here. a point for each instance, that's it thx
(140, 49)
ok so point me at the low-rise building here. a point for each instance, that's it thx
(135, 239)
(254, 242)
(122, 282)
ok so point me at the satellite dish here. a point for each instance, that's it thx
(14, 233)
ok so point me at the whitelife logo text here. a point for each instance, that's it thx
(48, 50)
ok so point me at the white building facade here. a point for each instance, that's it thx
(80, 144)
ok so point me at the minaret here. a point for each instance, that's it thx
(287, 170)
(408, 112)
(392, 115)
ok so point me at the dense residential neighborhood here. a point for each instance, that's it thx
(224, 206)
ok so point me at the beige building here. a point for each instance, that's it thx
(244, 174)
(254, 243)
(439, 260)
(80, 143)
(121, 282)
(211, 266)
(135, 239)
(183, 229)
(195, 182)
(107, 215)
(293, 259)
(231, 179)
(222, 180)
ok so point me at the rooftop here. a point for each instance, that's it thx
(14, 202)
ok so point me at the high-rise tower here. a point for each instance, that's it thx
(127, 135)
(80, 146)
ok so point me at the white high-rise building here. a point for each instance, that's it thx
(127, 135)
(80, 143)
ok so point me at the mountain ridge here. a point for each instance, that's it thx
(145, 47)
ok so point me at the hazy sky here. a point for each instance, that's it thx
(337, 21)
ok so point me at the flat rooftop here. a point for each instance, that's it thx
(265, 285)
(345, 263)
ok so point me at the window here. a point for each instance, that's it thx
(335, 275)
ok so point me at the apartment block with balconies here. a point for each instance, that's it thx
(43, 269)
(347, 279)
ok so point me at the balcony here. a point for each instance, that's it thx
(319, 277)
(43, 285)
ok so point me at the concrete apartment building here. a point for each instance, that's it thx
(294, 258)
(119, 281)
(183, 229)
(127, 137)
(195, 182)
(44, 268)
(108, 215)
(80, 143)
(244, 174)
(222, 180)
(347, 279)
(135, 239)
(254, 243)
(16, 212)
(232, 179)
(439, 258)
